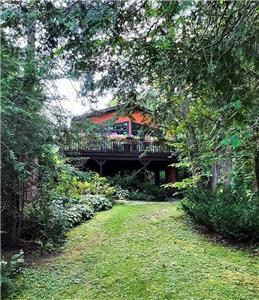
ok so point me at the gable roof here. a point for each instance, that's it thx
(95, 113)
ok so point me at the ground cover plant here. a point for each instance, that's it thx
(97, 202)
(141, 251)
(10, 269)
(64, 199)
(57, 208)
(230, 212)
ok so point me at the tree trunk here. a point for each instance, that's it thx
(192, 141)
(257, 170)
(30, 76)
(228, 167)
(215, 176)
(227, 154)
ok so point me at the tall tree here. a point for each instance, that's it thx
(201, 61)
(194, 64)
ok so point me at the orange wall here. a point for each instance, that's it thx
(102, 118)
(137, 117)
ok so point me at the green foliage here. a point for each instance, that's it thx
(149, 188)
(71, 185)
(46, 219)
(97, 185)
(127, 180)
(68, 201)
(200, 80)
(25, 129)
(9, 269)
(67, 185)
(121, 194)
(76, 211)
(184, 184)
(231, 212)
(137, 189)
(59, 206)
(142, 196)
(97, 202)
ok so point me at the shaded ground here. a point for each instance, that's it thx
(141, 252)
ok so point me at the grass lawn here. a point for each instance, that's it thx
(142, 251)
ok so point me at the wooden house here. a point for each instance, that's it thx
(125, 144)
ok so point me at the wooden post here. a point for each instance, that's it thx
(130, 127)
(100, 163)
(157, 177)
(145, 162)
(171, 174)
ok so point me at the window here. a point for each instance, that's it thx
(137, 129)
(120, 128)
(162, 176)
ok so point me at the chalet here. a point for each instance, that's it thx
(125, 142)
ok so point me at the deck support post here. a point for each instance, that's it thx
(101, 163)
(157, 177)
(171, 174)
(145, 163)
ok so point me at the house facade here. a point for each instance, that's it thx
(125, 142)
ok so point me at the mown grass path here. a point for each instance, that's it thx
(143, 251)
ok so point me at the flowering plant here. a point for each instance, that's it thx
(150, 139)
(117, 137)
(130, 136)
(137, 138)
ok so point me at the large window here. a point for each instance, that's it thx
(120, 128)
(137, 129)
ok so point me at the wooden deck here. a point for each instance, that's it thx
(110, 157)
(120, 150)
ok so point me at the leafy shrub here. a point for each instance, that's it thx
(97, 185)
(46, 246)
(156, 192)
(138, 190)
(121, 194)
(67, 185)
(58, 207)
(9, 270)
(196, 205)
(45, 220)
(74, 211)
(142, 196)
(73, 183)
(97, 202)
(127, 180)
(48, 220)
(78, 214)
(232, 213)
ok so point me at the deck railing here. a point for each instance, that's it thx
(118, 146)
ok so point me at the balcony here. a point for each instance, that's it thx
(128, 148)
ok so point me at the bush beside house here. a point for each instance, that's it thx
(74, 199)
(232, 213)
(69, 200)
